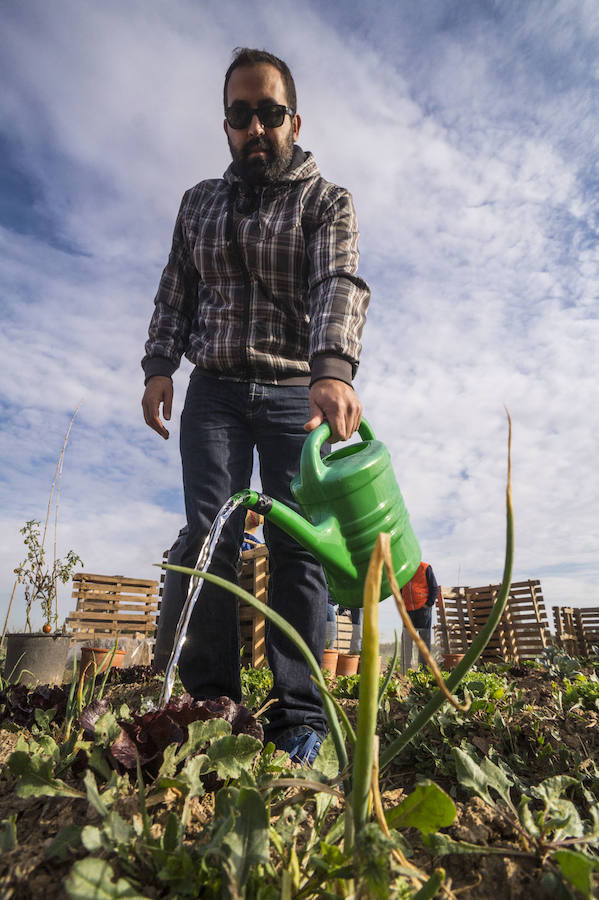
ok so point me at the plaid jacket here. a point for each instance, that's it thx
(261, 283)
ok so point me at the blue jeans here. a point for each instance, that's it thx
(221, 423)
(422, 620)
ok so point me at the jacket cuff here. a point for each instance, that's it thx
(326, 365)
(158, 365)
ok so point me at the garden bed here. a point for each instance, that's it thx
(221, 816)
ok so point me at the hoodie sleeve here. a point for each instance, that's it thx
(174, 306)
(338, 296)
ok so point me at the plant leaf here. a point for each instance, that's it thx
(230, 755)
(67, 839)
(247, 842)
(577, 868)
(441, 845)
(479, 778)
(202, 733)
(93, 795)
(427, 808)
(91, 879)
(36, 777)
(8, 833)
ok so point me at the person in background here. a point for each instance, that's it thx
(253, 520)
(419, 596)
(331, 633)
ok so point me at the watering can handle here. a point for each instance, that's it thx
(311, 463)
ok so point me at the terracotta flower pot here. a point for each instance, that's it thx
(99, 656)
(451, 660)
(329, 661)
(347, 663)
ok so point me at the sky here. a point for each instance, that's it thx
(466, 131)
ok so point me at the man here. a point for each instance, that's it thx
(419, 596)
(261, 293)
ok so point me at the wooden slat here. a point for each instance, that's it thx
(111, 604)
(521, 633)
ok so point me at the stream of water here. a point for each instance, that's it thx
(195, 586)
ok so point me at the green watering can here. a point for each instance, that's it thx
(347, 498)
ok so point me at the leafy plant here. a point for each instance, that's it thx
(39, 578)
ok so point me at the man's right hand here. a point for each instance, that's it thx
(159, 389)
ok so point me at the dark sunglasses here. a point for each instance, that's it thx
(271, 115)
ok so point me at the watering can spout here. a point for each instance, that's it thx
(324, 541)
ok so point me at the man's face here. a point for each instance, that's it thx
(261, 154)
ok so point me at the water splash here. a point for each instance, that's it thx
(195, 586)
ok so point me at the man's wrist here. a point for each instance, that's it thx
(158, 365)
(327, 365)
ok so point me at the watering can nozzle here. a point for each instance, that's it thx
(260, 503)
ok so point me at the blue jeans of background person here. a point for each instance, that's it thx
(221, 423)
(422, 620)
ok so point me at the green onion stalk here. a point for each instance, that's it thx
(482, 639)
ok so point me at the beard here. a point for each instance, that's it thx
(262, 169)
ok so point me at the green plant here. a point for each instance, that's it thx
(546, 820)
(39, 578)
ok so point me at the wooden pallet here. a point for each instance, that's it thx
(252, 625)
(522, 632)
(344, 634)
(108, 605)
(588, 626)
(576, 629)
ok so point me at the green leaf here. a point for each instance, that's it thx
(91, 838)
(106, 729)
(441, 845)
(43, 717)
(91, 879)
(8, 833)
(118, 832)
(561, 817)
(552, 789)
(172, 833)
(247, 843)
(192, 772)
(577, 869)
(232, 754)
(201, 733)
(169, 762)
(93, 795)
(527, 820)
(36, 777)
(427, 808)
(430, 888)
(97, 761)
(67, 840)
(479, 778)
(326, 761)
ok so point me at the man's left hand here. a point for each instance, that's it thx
(339, 404)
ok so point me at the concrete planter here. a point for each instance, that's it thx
(33, 659)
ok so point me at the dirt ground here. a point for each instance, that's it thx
(512, 874)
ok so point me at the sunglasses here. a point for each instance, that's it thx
(271, 115)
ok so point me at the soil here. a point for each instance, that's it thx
(513, 873)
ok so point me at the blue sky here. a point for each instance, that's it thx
(467, 133)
